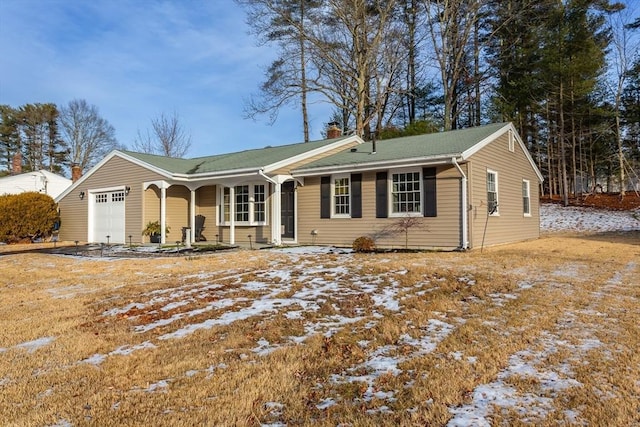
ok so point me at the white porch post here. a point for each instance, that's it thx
(232, 215)
(192, 216)
(163, 214)
(276, 212)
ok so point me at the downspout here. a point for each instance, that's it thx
(464, 212)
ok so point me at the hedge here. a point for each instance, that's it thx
(27, 216)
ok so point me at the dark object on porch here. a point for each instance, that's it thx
(200, 228)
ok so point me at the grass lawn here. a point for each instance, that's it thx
(544, 332)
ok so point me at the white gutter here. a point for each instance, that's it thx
(261, 173)
(465, 232)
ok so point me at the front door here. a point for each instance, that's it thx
(287, 213)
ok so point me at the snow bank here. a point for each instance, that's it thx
(554, 217)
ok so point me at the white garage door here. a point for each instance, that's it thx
(108, 217)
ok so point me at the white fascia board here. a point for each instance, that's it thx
(387, 164)
(507, 127)
(215, 175)
(311, 153)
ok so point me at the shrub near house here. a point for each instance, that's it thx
(27, 216)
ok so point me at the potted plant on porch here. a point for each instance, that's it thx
(153, 231)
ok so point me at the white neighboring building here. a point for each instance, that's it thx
(40, 181)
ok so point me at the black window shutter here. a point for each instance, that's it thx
(381, 195)
(356, 195)
(430, 200)
(325, 197)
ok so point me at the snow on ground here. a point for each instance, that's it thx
(317, 282)
(554, 217)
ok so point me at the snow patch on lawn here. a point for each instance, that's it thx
(554, 217)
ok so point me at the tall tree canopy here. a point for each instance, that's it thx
(543, 64)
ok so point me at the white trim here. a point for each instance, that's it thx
(391, 213)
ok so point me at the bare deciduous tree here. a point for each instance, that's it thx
(88, 136)
(167, 137)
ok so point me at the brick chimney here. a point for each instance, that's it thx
(16, 164)
(333, 131)
(76, 172)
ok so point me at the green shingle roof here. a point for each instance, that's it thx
(248, 159)
(434, 145)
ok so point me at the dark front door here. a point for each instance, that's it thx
(287, 213)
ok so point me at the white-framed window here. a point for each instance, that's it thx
(492, 192)
(341, 196)
(511, 141)
(406, 193)
(249, 204)
(526, 197)
(101, 198)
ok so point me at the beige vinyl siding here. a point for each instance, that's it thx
(286, 170)
(512, 167)
(206, 206)
(178, 201)
(116, 172)
(260, 234)
(441, 232)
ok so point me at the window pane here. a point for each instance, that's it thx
(259, 203)
(526, 201)
(492, 193)
(242, 203)
(405, 192)
(341, 201)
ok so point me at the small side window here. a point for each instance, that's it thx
(526, 198)
(492, 192)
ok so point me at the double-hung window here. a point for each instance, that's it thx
(249, 204)
(259, 204)
(341, 196)
(526, 198)
(405, 193)
(492, 192)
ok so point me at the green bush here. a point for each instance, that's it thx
(26, 216)
(364, 244)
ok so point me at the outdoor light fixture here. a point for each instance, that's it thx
(81, 195)
(126, 190)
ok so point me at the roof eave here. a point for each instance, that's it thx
(311, 153)
(368, 166)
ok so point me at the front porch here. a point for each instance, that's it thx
(247, 210)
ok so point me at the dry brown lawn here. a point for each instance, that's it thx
(543, 332)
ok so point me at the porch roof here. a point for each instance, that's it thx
(254, 158)
(434, 146)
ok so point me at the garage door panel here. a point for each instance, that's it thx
(109, 217)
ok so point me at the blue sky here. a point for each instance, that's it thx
(137, 59)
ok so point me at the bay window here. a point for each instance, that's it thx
(249, 203)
